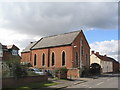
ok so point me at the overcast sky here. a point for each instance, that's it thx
(23, 22)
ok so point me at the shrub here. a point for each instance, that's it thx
(63, 70)
(95, 69)
(19, 71)
(16, 70)
(85, 72)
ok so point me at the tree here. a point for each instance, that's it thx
(95, 69)
(16, 70)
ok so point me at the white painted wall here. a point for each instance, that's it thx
(94, 59)
(105, 65)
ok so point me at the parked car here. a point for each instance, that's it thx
(37, 71)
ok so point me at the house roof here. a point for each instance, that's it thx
(4, 47)
(27, 49)
(56, 40)
(105, 58)
(12, 46)
(113, 60)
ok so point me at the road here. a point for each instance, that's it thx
(105, 81)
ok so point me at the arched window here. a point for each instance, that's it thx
(76, 58)
(86, 59)
(35, 56)
(43, 59)
(82, 50)
(53, 59)
(63, 58)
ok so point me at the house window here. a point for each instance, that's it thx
(43, 59)
(53, 59)
(76, 58)
(63, 58)
(35, 56)
(14, 52)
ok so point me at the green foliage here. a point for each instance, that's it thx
(60, 72)
(85, 72)
(63, 70)
(16, 70)
(95, 69)
(26, 64)
(32, 86)
(19, 71)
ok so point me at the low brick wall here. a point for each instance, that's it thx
(73, 73)
(6, 82)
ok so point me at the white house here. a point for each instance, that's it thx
(105, 63)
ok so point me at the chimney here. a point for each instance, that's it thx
(97, 53)
(31, 42)
(105, 55)
(92, 52)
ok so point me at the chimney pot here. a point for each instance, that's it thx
(31, 42)
(92, 52)
(97, 53)
(105, 55)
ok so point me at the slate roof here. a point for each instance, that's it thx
(27, 49)
(12, 46)
(105, 58)
(56, 40)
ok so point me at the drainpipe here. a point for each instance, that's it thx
(80, 58)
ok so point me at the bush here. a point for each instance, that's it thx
(15, 69)
(63, 70)
(19, 71)
(95, 69)
(85, 72)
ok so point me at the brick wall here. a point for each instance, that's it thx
(115, 67)
(73, 73)
(25, 57)
(86, 49)
(58, 57)
(6, 55)
(6, 82)
(69, 51)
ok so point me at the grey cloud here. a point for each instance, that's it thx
(53, 18)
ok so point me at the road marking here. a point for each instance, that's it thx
(109, 79)
(99, 83)
(85, 85)
(90, 87)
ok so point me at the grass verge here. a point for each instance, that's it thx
(32, 86)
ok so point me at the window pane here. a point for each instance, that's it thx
(43, 59)
(63, 58)
(76, 58)
(34, 59)
(53, 59)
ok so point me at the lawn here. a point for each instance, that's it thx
(31, 86)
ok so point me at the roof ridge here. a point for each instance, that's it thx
(62, 34)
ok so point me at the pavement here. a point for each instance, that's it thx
(90, 82)
(66, 83)
(103, 82)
